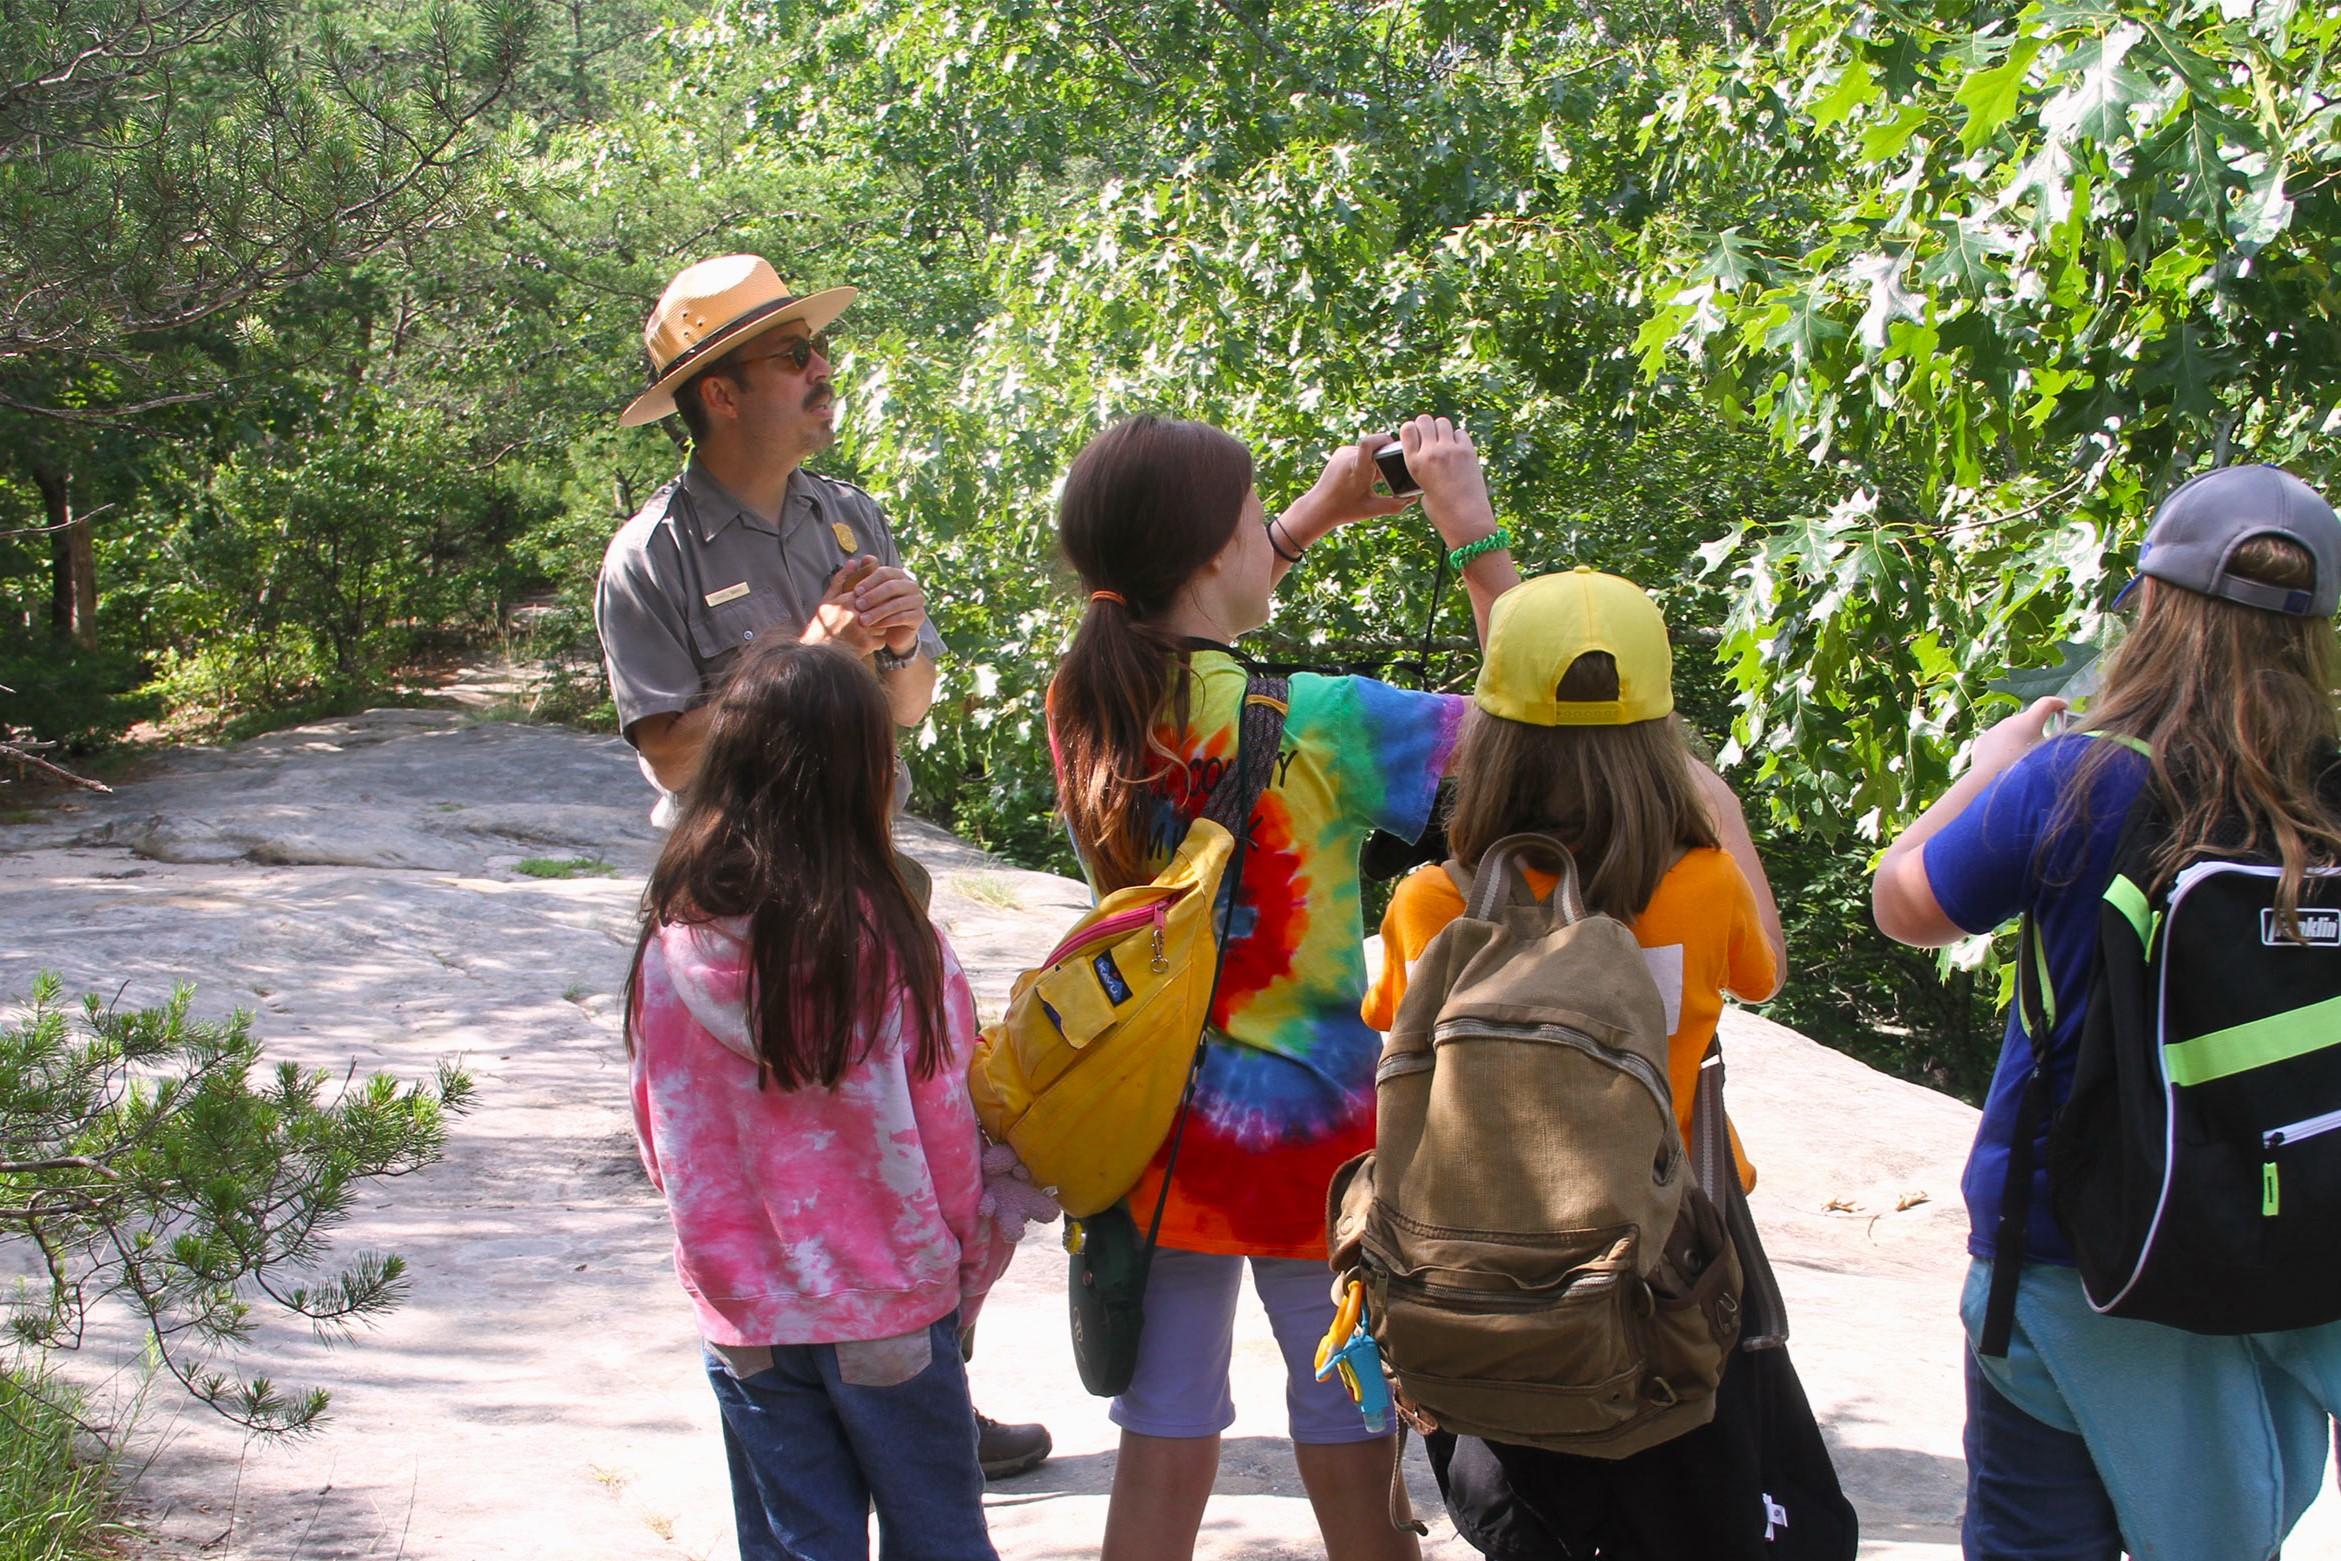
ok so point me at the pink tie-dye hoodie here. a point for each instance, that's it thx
(806, 1216)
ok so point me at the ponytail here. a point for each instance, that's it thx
(1146, 505)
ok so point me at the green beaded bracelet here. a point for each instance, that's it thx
(1487, 544)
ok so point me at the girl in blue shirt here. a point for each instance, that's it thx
(2098, 1433)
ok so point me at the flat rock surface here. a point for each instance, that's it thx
(358, 885)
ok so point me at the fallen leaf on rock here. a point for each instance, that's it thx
(1839, 1206)
(1910, 1200)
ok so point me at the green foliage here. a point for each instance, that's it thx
(147, 1158)
(2005, 276)
(1061, 215)
(79, 699)
(56, 1484)
(165, 165)
(316, 563)
(1153, 231)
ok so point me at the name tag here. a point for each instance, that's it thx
(730, 593)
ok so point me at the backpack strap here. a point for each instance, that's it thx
(2036, 1012)
(1259, 736)
(1763, 1309)
(1499, 880)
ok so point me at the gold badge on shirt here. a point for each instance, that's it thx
(845, 537)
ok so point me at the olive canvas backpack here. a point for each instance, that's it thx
(1541, 1265)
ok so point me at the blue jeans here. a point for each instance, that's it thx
(2095, 1432)
(827, 1430)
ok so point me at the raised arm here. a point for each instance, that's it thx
(1455, 497)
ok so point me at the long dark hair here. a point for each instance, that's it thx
(1620, 797)
(1147, 504)
(2238, 706)
(786, 824)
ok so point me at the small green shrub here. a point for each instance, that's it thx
(566, 867)
(255, 671)
(157, 1164)
(78, 699)
(56, 1485)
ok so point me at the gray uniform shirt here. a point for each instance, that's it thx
(695, 578)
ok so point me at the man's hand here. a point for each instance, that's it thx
(868, 604)
(837, 620)
(1454, 489)
(889, 600)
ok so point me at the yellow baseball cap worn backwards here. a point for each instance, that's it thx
(1540, 627)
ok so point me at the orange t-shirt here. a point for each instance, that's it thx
(1699, 935)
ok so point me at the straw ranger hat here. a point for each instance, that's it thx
(709, 309)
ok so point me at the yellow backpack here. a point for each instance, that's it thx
(1088, 1070)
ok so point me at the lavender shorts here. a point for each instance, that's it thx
(1181, 1385)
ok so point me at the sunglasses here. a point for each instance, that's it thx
(799, 351)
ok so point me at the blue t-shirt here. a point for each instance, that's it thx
(1986, 867)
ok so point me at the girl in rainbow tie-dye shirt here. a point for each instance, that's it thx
(1174, 547)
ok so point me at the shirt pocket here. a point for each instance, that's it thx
(717, 632)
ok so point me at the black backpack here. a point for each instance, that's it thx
(2197, 1161)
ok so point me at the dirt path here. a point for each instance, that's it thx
(539, 1394)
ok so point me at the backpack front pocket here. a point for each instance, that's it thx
(1694, 1300)
(1571, 1337)
(2300, 1179)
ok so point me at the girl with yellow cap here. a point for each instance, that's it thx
(1573, 733)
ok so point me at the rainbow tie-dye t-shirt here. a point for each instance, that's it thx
(1287, 1091)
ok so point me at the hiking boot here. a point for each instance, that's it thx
(1006, 1450)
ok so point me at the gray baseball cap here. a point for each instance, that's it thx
(2206, 518)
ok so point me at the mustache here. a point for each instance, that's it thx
(818, 394)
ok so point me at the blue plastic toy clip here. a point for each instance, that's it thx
(1359, 1360)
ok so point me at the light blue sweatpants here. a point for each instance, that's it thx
(2210, 1447)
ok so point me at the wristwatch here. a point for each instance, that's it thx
(885, 659)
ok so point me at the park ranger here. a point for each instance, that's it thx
(747, 543)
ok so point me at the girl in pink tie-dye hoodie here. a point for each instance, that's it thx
(799, 1033)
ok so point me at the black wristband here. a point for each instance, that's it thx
(886, 660)
(1293, 557)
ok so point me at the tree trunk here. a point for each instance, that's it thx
(73, 574)
(60, 568)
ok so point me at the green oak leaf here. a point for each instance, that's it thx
(2190, 162)
(1990, 96)
(2265, 213)
(1885, 140)
(1733, 261)
(1805, 329)
(2030, 683)
(1966, 261)
(1856, 85)
(2097, 105)
(1881, 276)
